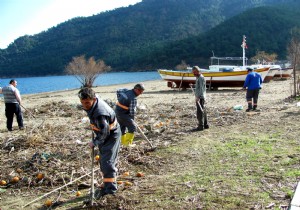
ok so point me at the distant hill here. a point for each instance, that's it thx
(123, 38)
(266, 28)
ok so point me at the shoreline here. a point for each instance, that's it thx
(70, 96)
(156, 92)
(73, 89)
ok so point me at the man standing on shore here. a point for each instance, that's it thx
(200, 96)
(253, 83)
(12, 99)
(107, 130)
(125, 111)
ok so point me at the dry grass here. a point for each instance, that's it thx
(244, 161)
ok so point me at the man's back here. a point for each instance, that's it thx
(9, 94)
(253, 81)
(125, 98)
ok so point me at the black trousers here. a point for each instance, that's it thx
(10, 110)
(201, 114)
(252, 94)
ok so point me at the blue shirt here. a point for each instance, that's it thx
(253, 81)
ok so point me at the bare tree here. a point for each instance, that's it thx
(86, 71)
(294, 57)
(263, 57)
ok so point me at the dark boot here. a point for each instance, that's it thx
(99, 193)
(109, 188)
(249, 107)
(200, 128)
(254, 107)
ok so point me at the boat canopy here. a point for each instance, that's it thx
(218, 59)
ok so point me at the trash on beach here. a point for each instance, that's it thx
(85, 120)
(141, 107)
(238, 107)
(298, 104)
(78, 142)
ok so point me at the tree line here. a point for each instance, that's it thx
(153, 34)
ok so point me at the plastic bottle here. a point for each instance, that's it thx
(238, 107)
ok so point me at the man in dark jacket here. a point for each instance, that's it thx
(105, 126)
(12, 99)
(253, 83)
(125, 111)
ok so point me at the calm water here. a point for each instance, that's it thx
(31, 85)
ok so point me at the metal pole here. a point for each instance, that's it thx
(144, 136)
(244, 45)
(27, 110)
(92, 171)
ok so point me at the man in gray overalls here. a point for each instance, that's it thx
(200, 96)
(105, 126)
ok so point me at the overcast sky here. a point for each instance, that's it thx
(29, 17)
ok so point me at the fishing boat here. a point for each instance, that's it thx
(270, 74)
(273, 70)
(216, 66)
(283, 73)
(214, 80)
(217, 75)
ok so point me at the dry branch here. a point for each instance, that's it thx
(58, 189)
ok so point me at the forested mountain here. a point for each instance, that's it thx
(266, 28)
(128, 38)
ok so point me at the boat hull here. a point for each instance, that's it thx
(183, 79)
(270, 75)
(284, 73)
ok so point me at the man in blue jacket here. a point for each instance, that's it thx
(125, 111)
(252, 83)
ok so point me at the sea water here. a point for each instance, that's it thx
(31, 85)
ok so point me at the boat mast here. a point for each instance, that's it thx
(244, 46)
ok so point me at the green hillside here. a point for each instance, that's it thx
(124, 38)
(266, 28)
